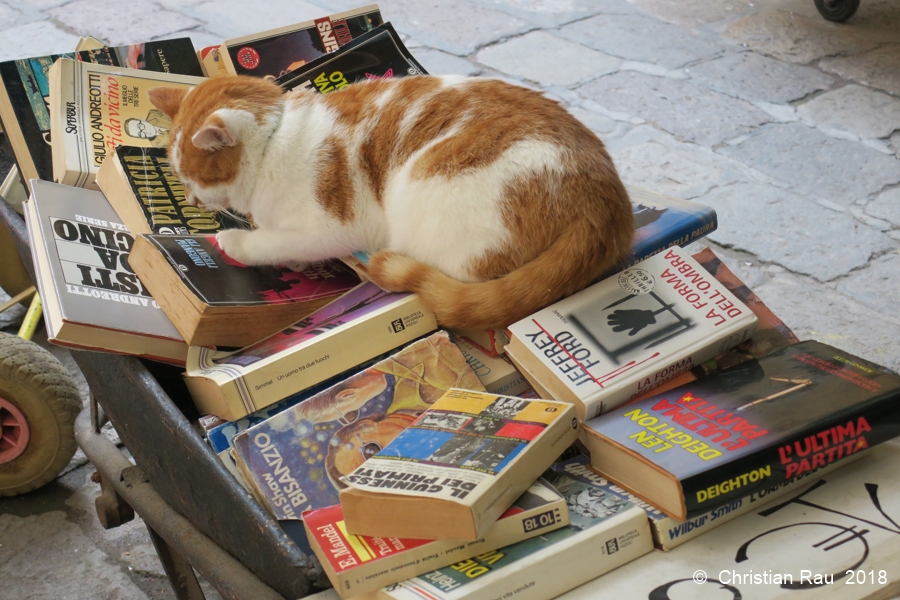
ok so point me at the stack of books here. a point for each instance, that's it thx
(649, 408)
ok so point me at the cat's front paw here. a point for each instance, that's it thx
(233, 242)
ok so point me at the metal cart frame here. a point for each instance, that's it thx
(198, 515)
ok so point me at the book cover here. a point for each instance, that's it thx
(298, 457)
(94, 108)
(92, 297)
(25, 95)
(835, 540)
(355, 327)
(475, 450)
(140, 184)
(662, 221)
(163, 56)
(358, 564)
(669, 533)
(748, 427)
(497, 373)
(273, 53)
(605, 532)
(377, 54)
(622, 337)
(218, 280)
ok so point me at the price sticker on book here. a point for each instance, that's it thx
(636, 281)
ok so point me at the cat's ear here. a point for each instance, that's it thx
(167, 99)
(223, 128)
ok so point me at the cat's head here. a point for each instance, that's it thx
(217, 128)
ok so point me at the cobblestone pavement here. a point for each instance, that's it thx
(787, 124)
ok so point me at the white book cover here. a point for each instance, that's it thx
(629, 333)
(838, 539)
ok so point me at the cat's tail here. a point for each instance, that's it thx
(579, 256)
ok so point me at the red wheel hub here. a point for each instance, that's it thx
(14, 432)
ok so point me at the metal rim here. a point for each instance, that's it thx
(14, 432)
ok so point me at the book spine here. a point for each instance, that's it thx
(686, 232)
(372, 575)
(545, 574)
(669, 533)
(680, 364)
(242, 391)
(818, 445)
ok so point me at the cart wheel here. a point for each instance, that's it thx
(38, 405)
(837, 10)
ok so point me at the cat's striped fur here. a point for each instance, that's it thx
(487, 199)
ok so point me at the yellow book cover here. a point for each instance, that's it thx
(94, 108)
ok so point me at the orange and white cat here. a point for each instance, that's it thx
(488, 200)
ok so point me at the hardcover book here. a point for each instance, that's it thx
(94, 108)
(273, 53)
(757, 424)
(143, 189)
(25, 93)
(605, 532)
(296, 459)
(669, 533)
(630, 333)
(92, 298)
(214, 300)
(377, 54)
(361, 324)
(835, 540)
(453, 472)
(358, 564)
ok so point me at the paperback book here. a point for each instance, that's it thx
(605, 532)
(273, 53)
(25, 93)
(453, 472)
(740, 430)
(497, 373)
(295, 460)
(669, 533)
(837, 539)
(358, 564)
(632, 332)
(92, 298)
(214, 300)
(363, 323)
(142, 187)
(94, 108)
(377, 54)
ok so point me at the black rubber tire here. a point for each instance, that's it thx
(837, 10)
(43, 390)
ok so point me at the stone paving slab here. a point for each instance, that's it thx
(35, 39)
(647, 157)
(683, 108)
(228, 19)
(643, 38)
(886, 206)
(441, 63)
(536, 56)
(754, 77)
(692, 12)
(877, 68)
(796, 233)
(553, 13)
(869, 285)
(816, 165)
(794, 38)
(855, 109)
(121, 23)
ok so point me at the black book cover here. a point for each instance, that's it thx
(161, 195)
(761, 422)
(219, 280)
(379, 54)
(163, 56)
(281, 53)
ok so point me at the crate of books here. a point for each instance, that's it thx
(296, 427)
